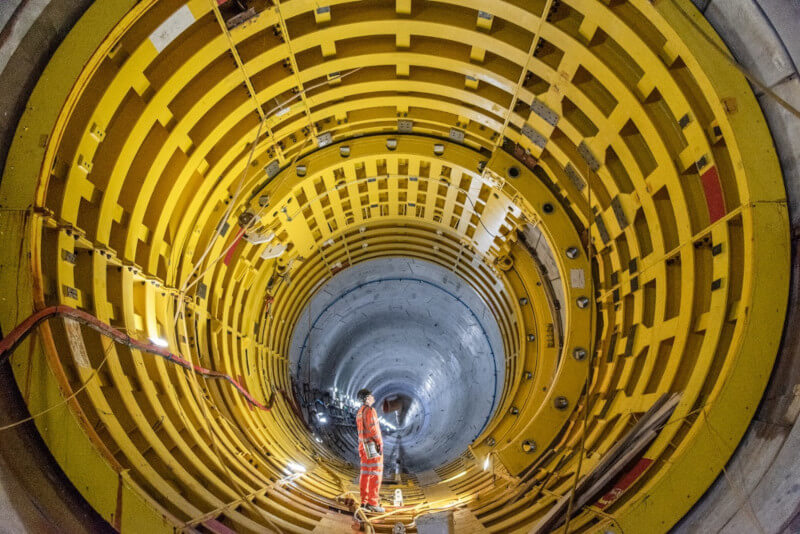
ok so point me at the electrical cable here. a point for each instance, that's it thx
(224, 218)
(65, 400)
(186, 286)
(239, 234)
(9, 343)
(537, 35)
(12, 341)
(201, 400)
(234, 201)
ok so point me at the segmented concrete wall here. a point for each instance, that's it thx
(763, 478)
(35, 495)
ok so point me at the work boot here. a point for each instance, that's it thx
(377, 509)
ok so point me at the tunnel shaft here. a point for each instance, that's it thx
(524, 223)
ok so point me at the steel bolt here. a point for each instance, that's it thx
(531, 337)
(523, 301)
(583, 302)
(572, 252)
(528, 446)
(561, 403)
(579, 354)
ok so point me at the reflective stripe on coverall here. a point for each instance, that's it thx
(371, 469)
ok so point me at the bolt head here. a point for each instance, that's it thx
(572, 252)
(582, 302)
(579, 354)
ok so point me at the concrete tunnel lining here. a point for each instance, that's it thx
(610, 261)
(400, 326)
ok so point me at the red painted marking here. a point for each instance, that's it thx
(233, 247)
(624, 483)
(526, 158)
(713, 190)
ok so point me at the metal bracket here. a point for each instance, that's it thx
(537, 138)
(456, 135)
(588, 157)
(69, 257)
(616, 205)
(272, 169)
(70, 292)
(405, 126)
(575, 177)
(324, 139)
(601, 229)
(541, 109)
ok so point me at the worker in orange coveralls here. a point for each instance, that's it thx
(370, 450)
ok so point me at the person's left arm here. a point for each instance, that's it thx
(378, 436)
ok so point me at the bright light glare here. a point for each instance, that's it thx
(159, 342)
(387, 424)
(318, 439)
(323, 419)
(294, 467)
(486, 464)
(461, 474)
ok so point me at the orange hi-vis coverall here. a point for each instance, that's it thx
(371, 469)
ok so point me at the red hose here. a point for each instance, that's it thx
(9, 343)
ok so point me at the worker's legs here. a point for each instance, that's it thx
(370, 480)
(374, 493)
(363, 483)
(363, 480)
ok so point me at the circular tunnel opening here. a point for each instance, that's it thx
(420, 338)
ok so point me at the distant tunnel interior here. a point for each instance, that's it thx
(521, 224)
